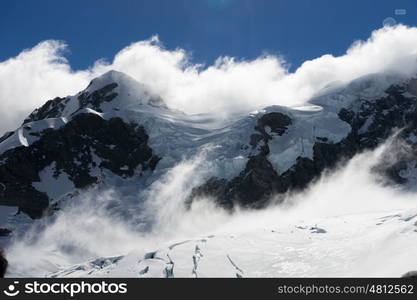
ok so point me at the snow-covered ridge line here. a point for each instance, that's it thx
(284, 147)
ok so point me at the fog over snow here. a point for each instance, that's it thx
(364, 223)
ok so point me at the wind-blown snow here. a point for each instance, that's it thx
(350, 246)
(53, 186)
(345, 225)
(368, 87)
(175, 136)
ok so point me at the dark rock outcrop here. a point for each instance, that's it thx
(96, 98)
(5, 232)
(120, 147)
(3, 264)
(277, 123)
(258, 180)
(372, 123)
(51, 109)
(85, 142)
(54, 108)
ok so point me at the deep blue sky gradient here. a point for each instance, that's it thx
(297, 29)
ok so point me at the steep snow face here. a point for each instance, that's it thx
(120, 92)
(309, 125)
(27, 134)
(111, 92)
(370, 87)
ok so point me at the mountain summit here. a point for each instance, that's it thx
(117, 132)
(111, 91)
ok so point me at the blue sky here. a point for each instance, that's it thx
(297, 29)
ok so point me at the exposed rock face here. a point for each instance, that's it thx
(55, 107)
(5, 232)
(51, 109)
(96, 98)
(276, 122)
(3, 264)
(258, 180)
(119, 146)
(372, 122)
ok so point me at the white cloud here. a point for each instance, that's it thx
(231, 85)
(42, 73)
(33, 77)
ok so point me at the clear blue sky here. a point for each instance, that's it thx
(297, 29)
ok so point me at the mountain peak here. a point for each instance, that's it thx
(110, 77)
(123, 88)
(111, 91)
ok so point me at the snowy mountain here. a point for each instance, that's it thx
(118, 135)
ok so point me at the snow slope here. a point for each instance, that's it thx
(340, 246)
(145, 231)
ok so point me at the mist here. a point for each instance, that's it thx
(91, 226)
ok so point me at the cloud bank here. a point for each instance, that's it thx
(33, 77)
(227, 86)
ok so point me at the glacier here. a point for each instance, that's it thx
(136, 219)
